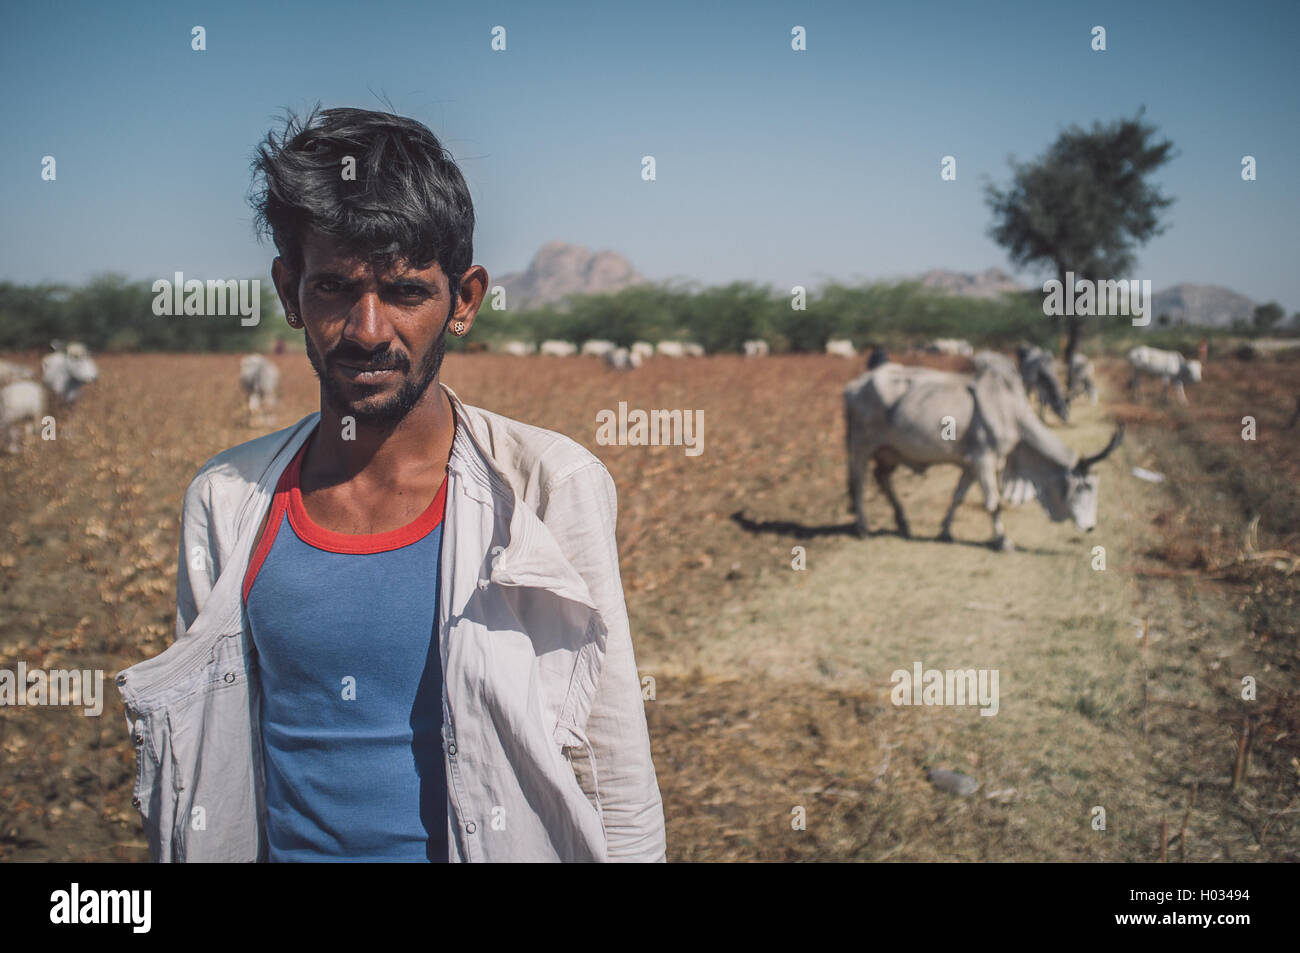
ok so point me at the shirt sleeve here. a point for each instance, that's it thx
(581, 511)
(197, 564)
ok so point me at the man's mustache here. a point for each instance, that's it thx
(368, 360)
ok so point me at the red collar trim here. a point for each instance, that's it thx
(355, 544)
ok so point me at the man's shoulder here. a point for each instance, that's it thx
(528, 454)
(244, 465)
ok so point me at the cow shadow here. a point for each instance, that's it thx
(791, 528)
(804, 531)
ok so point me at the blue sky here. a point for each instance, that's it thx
(773, 166)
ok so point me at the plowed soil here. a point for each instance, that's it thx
(772, 683)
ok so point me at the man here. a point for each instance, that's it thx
(400, 624)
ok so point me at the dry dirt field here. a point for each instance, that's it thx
(772, 685)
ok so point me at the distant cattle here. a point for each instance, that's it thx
(1000, 364)
(951, 346)
(1038, 372)
(920, 417)
(755, 348)
(841, 347)
(691, 349)
(643, 349)
(518, 348)
(10, 372)
(67, 370)
(554, 348)
(622, 359)
(1168, 366)
(22, 405)
(597, 348)
(670, 349)
(260, 379)
(1083, 379)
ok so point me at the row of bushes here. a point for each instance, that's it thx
(723, 318)
(111, 313)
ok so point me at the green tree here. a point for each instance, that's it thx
(1267, 315)
(1084, 205)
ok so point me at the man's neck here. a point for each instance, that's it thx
(370, 455)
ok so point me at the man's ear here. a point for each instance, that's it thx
(286, 285)
(473, 286)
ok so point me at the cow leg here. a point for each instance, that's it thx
(963, 484)
(1182, 394)
(987, 473)
(858, 457)
(883, 472)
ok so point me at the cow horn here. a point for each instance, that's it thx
(1086, 462)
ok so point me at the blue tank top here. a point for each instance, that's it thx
(346, 633)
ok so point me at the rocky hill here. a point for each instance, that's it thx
(987, 284)
(1184, 304)
(1201, 305)
(560, 269)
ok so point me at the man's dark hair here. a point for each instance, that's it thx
(408, 200)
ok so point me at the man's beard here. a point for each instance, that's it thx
(393, 410)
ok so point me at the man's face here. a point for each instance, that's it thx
(375, 333)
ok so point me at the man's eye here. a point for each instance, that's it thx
(328, 287)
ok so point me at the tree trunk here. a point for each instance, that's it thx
(1075, 331)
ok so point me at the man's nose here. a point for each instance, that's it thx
(366, 325)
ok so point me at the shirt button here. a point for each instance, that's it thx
(451, 749)
(471, 827)
(135, 802)
(138, 738)
(121, 678)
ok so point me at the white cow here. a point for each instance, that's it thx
(951, 346)
(10, 372)
(67, 370)
(691, 349)
(553, 348)
(896, 415)
(260, 379)
(518, 348)
(597, 347)
(643, 348)
(1169, 366)
(622, 359)
(755, 348)
(840, 347)
(22, 405)
(670, 349)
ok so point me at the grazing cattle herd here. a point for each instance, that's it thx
(981, 422)
(65, 371)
